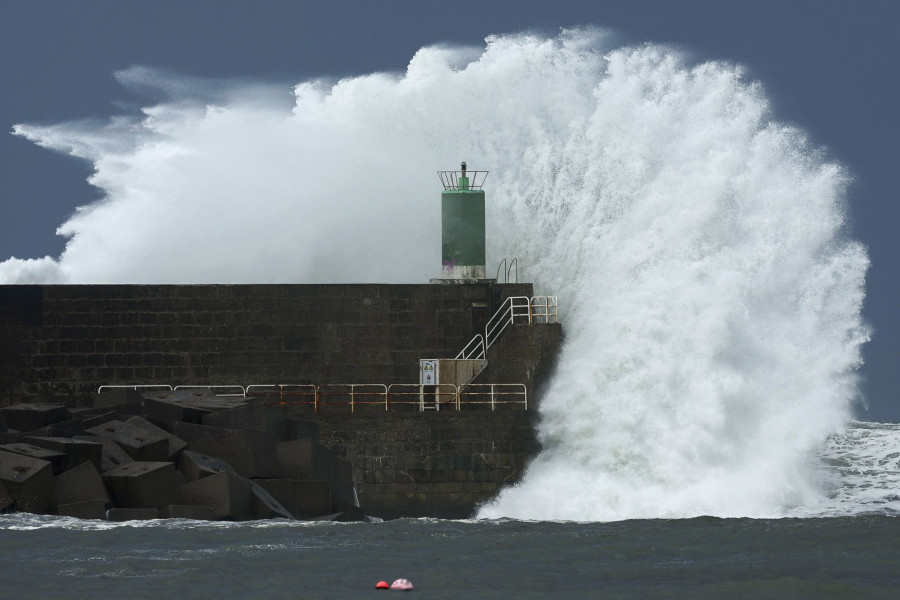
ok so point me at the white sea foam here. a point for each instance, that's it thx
(710, 297)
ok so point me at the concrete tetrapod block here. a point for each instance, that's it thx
(194, 466)
(112, 454)
(143, 485)
(7, 502)
(80, 484)
(280, 489)
(347, 510)
(185, 511)
(61, 429)
(29, 481)
(56, 459)
(76, 451)
(89, 509)
(227, 494)
(115, 397)
(303, 459)
(176, 444)
(311, 499)
(189, 405)
(302, 430)
(132, 514)
(191, 432)
(251, 453)
(265, 506)
(307, 459)
(259, 417)
(103, 414)
(140, 444)
(28, 417)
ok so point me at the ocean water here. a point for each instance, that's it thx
(703, 557)
(697, 436)
(851, 553)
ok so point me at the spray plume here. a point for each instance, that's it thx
(711, 298)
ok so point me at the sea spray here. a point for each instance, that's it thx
(710, 297)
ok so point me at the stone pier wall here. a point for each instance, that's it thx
(61, 342)
(431, 464)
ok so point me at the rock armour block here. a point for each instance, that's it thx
(143, 485)
(311, 499)
(6, 500)
(280, 489)
(164, 408)
(227, 494)
(183, 511)
(302, 430)
(194, 466)
(251, 453)
(309, 460)
(265, 506)
(56, 459)
(80, 484)
(254, 416)
(141, 445)
(28, 480)
(132, 514)
(90, 509)
(28, 417)
(115, 397)
(191, 432)
(176, 444)
(76, 451)
(112, 454)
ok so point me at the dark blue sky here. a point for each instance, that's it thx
(829, 67)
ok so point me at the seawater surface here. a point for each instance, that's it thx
(704, 557)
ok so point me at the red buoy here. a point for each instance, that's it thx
(382, 585)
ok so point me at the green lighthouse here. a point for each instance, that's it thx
(462, 225)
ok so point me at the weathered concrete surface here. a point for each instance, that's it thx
(28, 480)
(75, 451)
(227, 494)
(176, 444)
(140, 444)
(257, 416)
(265, 506)
(88, 509)
(182, 511)
(312, 499)
(28, 417)
(196, 466)
(62, 342)
(143, 485)
(431, 464)
(132, 514)
(7, 501)
(56, 459)
(80, 484)
(250, 452)
(111, 455)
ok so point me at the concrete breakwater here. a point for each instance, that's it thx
(60, 343)
(169, 455)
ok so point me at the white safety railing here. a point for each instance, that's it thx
(515, 309)
(361, 395)
(143, 386)
(474, 349)
(494, 394)
(220, 390)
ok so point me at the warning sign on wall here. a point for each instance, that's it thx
(428, 371)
